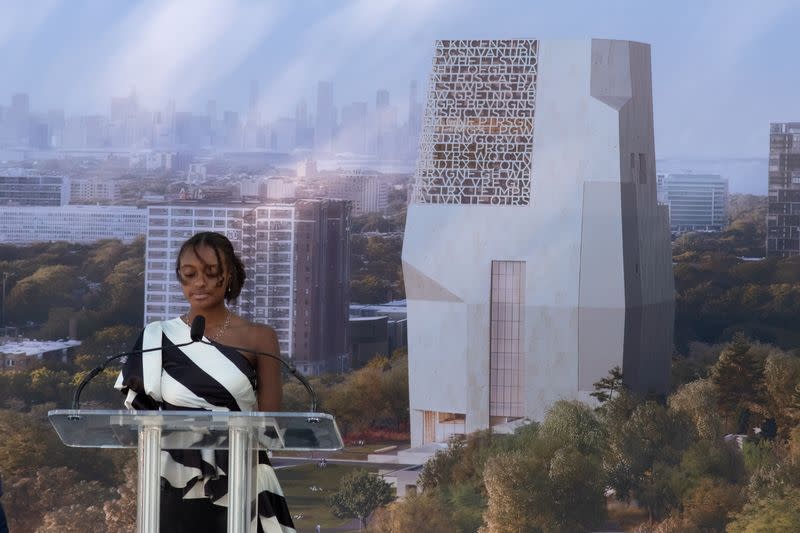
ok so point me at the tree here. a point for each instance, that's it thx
(711, 459)
(418, 512)
(529, 492)
(109, 341)
(50, 286)
(360, 494)
(738, 377)
(781, 380)
(774, 512)
(642, 456)
(571, 423)
(369, 289)
(374, 396)
(698, 400)
(467, 503)
(553, 479)
(438, 470)
(55, 499)
(120, 513)
(605, 388)
(710, 504)
(102, 259)
(516, 488)
(124, 291)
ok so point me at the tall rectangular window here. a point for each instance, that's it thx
(633, 166)
(506, 357)
(642, 169)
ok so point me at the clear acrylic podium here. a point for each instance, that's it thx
(242, 434)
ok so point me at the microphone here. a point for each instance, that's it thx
(198, 328)
(289, 366)
(196, 334)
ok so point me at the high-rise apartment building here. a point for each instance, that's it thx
(783, 216)
(697, 202)
(534, 263)
(367, 192)
(24, 188)
(296, 257)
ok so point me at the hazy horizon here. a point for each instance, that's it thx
(719, 73)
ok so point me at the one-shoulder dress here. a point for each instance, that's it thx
(200, 377)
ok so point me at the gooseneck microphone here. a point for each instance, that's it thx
(198, 328)
(289, 366)
(196, 334)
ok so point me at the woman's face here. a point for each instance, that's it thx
(203, 278)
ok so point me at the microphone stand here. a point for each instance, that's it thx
(96, 370)
(289, 366)
(195, 333)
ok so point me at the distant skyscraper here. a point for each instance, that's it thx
(412, 100)
(301, 113)
(697, 202)
(305, 132)
(89, 131)
(20, 103)
(783, 216)
(192, 131)
(129, 125)
(211, 110)
(381, 99)
(55, 124)
(534, 264)
(352, 135)
(326, 118)
(232, 130)
(254, 96)
(414, 121)
(283, 135)
(385, 126)
(38, 135)
(18, 118)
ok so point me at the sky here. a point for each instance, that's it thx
(722, 70)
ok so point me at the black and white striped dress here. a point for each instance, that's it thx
(204, 377)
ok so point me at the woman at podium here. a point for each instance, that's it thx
(209, 376)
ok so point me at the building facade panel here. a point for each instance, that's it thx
(477, 133)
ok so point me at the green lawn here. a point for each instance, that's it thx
(312, 505)
(349, 452)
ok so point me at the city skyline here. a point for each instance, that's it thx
(709, 59)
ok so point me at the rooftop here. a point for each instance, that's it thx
(34, 347)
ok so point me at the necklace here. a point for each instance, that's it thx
(220, 330)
